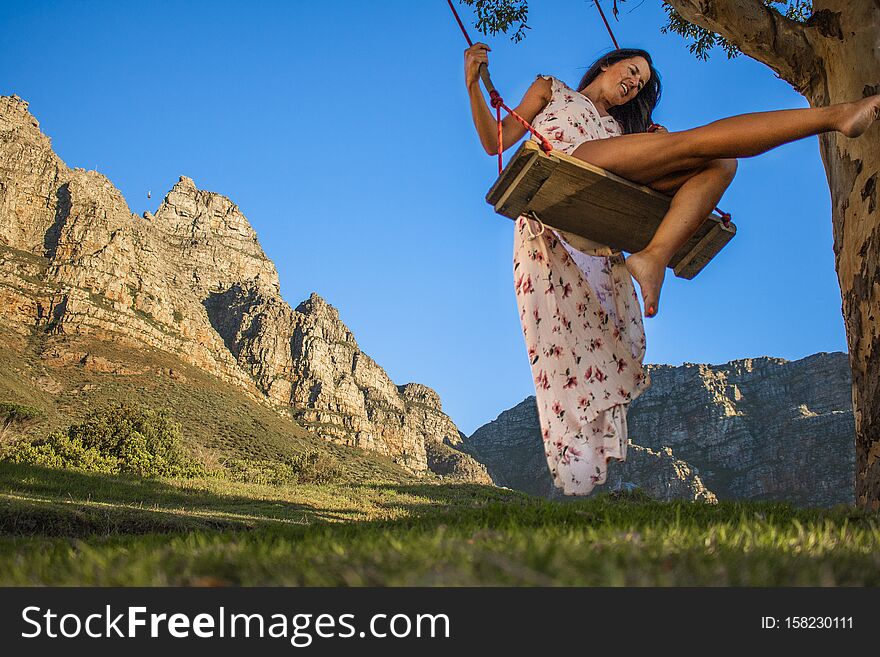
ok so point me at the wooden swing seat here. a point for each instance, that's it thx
(576, 197)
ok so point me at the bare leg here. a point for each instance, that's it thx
(693, 201)
(657, 157)
(645, 157)
(672, 183)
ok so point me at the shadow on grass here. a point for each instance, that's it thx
(500, 506)
(49, 502)
(46, 502)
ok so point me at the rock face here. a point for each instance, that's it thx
(512, 450)
(761, 428)
(193, 281)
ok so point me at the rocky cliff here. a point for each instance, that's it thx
(192, 280)
(512, 450)
(759, 428)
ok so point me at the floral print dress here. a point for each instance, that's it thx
(581, 321)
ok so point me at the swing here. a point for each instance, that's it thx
(562, 190)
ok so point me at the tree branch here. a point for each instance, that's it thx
(761, 33)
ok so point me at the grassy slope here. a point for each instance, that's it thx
(217, 419)
(60, 527)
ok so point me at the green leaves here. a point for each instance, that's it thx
(15, 418)
(703, 40)
(494, 16)
(120, 439)
(505, 16)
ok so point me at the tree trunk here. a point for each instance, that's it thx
(850, 52)
(834, 57)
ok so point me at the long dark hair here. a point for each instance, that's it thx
(635, 115)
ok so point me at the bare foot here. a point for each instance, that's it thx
(859, 115)
(649, 273)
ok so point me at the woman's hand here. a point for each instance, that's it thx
(474, 57)
(656, 127)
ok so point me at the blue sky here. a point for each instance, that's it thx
(342, 131)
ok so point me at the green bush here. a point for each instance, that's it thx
(20, 413)
(258, 471)
(310, 467)
(16, 417)
(314, 467)
(58, 450)
(120, 439)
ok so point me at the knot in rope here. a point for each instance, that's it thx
(546, 146)
(725, 218)
(495, 99)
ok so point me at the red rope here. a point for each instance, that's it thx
(497, 107)
(725, 216)
(607, 26)
(497, 102)
(460, 24)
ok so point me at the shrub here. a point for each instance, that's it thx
(258, 471)
(312, 466)
(120, 439)
(58, 450)
(16, 417)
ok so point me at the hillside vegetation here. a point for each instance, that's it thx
(220, 426)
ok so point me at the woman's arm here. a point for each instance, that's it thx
(535, 99)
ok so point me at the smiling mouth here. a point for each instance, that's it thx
(625, 88)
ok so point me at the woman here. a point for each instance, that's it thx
(578, 308)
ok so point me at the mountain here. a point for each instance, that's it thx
(88, 287)
(512, 450)
(758, 428)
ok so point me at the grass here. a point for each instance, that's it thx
(69, 528)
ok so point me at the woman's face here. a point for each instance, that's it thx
(623, 80)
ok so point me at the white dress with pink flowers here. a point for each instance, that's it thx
(581, 321)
